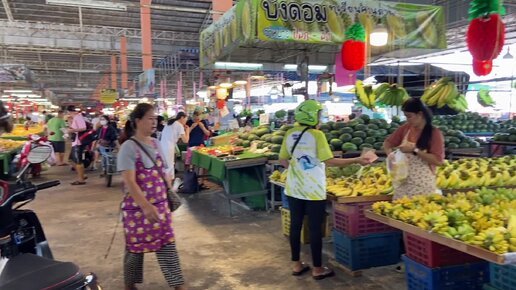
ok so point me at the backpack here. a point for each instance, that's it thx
(190, 183)
(87, 136)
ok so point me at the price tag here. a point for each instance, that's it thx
(264, 119)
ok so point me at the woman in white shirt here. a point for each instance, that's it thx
(176, 129)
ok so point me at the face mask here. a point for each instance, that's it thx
(103, 122)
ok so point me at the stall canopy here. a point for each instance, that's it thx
(283, 31)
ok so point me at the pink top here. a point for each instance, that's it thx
(78, 123)
(436, 143)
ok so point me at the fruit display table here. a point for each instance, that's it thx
(6, 157)
(508, 258)
(243, 177)
(492, 144)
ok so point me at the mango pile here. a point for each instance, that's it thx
(484, 217)
(20, 131)
(7, 145)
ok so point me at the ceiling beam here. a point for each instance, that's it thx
(8, 10)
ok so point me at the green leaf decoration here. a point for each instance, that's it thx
(356, 32)
(481, 8)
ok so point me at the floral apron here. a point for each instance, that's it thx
(141, 236)
(420, 180)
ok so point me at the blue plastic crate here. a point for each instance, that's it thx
(503, 276)
(284, 199)
(367, 251)
(460, 277)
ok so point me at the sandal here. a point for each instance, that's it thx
(78, 183)
(327, 273)
(305, 269)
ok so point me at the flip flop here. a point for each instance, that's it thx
(78, 183)
(305, 269)
(327, 273)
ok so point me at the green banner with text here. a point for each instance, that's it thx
(322, 22)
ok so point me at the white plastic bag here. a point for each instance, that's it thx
(397, 166)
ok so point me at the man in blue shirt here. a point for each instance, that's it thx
(199, 131)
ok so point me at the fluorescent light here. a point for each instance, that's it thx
(238, 65)
(107, 5)
(226, 85)
(293, 67)
(82, 89)
(317, 67)
(240, 83)
(18, 91)
(379, 36)
(82, 70)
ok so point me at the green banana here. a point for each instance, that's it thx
(485, 99)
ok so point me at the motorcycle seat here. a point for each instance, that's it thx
(31, 272)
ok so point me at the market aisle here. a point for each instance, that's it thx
(217, 252)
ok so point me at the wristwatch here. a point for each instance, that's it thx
(416, 151)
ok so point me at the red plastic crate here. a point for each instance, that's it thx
(433, 254)
(351, 220)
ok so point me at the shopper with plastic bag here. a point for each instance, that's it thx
(414, 150)
(305, 153)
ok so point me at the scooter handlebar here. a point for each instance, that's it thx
(48, 184)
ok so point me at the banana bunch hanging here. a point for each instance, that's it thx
(391, 95)
(365, 94)
(440, 93)
(459, 104)
(485, 99)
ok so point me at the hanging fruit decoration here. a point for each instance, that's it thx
(482, 68)
(486, 33)
(354, 48)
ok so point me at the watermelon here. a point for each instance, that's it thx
(279, 133)
(262, 131)
(331, 124)
(335, 133)
(345, 137)
(378, 145)
(360, 134)
(365, 117)
(365, 145)
(253, 137)
(360, 127)
(336, 143)
(348, 146)
(383, 132)
(357, 141)
(285, 128)
(244, 136)
(348, 130)
(373, 127)
(325, 128)
(370, 140)
(396, 119)
(453, 145)
(339, 125)
(373, 133)
(266, 137)
(328, 136)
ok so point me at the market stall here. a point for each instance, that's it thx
(8, 149)
(242, 175)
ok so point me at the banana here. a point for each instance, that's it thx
(335, 26)
(396, 25)
(485, 99)
(381, 89)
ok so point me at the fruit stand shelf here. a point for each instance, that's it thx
(354, 199)
(509, 258)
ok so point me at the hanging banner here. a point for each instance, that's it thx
(411, 25)
(146, 83)
(108, 96)
(321, 22)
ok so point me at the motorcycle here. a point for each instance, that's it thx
(34, 141)
(26, 261)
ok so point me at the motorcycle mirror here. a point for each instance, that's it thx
(39, 154)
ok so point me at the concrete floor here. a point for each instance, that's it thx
(247, 251)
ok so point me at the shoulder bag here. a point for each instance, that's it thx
(174, 201)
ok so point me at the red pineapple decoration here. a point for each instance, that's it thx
(486, 33)
(354, 48)
(482, 68)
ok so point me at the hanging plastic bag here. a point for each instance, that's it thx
(397, 166)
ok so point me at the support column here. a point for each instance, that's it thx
(219, 7)
(123, 63)
(114, 81)
(145, 20)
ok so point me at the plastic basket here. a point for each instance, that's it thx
(305, 233)
(503, 276)
(284, 198)
(459, 277)
(367, 251)
(351, 220)
(433, 254)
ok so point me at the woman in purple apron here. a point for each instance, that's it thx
(147, 218)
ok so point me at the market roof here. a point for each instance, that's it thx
(69, 49)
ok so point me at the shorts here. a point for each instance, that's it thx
(77, 154)
(59, 146)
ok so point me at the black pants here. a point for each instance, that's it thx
(316, 210)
